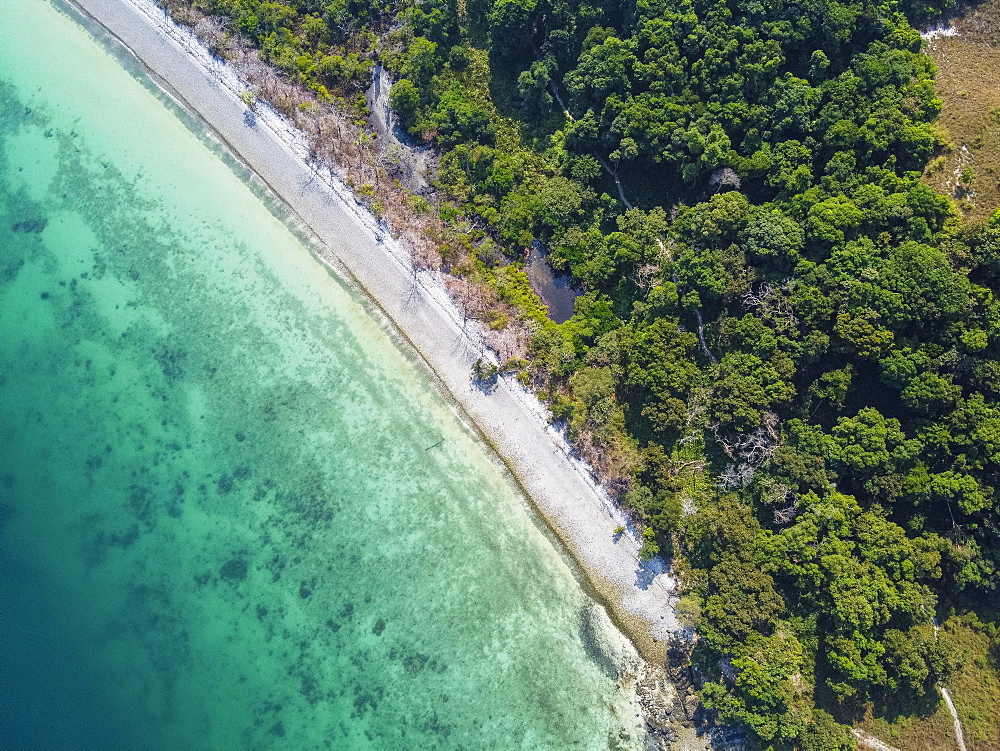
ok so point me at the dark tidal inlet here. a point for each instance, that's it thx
(221, 525)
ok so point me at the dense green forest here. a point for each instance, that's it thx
(787, 349)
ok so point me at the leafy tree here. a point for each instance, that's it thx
(658, 371)
(422, 64)
(405, 101)
(558, 203)
(533, 87)
(512, 21)
(867, 442)
(824, 733)
(747, 388)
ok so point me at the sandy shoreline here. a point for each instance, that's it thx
(639, 596)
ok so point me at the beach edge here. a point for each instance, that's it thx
(639, 597)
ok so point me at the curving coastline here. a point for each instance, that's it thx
(348, 240)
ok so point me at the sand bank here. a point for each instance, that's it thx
(348, 240)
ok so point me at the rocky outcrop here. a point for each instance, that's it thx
(674, 715)
(669, 703)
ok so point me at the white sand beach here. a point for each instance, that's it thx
(639, 596)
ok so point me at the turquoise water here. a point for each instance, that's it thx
(234, 514)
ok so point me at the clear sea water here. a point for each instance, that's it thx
(233, 513)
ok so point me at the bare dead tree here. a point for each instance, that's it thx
(787, 514)
(472, 298)
(773, 304)
(728, 670)
(647, 275)
(701, 336)
(724, 177)
(747, 450)
(737, 475)
(700, 331)
(689, 506)
(678, 467)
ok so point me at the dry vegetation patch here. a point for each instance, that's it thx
(968, 84)
(975, 688)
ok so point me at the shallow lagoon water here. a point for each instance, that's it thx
(233, 513)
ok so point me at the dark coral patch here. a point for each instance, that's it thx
(235, 569)
(30, 226)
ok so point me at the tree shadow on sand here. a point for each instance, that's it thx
(647, 571)
(485, 376)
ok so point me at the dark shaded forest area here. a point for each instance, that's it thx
(785, 356)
